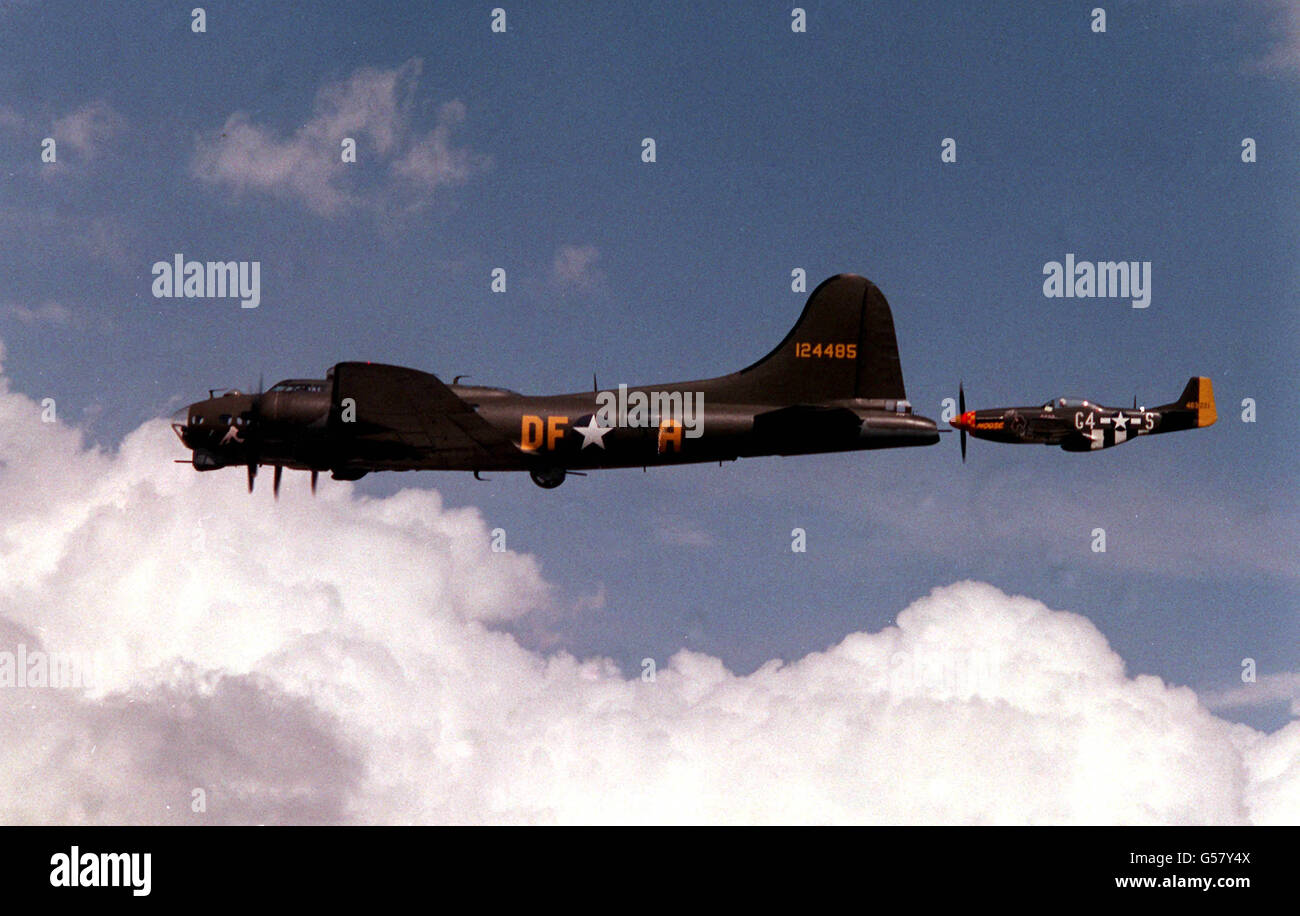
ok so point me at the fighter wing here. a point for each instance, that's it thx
(404, 418)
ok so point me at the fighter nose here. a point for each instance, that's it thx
(965, 421)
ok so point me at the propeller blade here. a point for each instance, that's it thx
(255, 399)
(252, 475)
(961, 408)
(275, 481)
(314, 475)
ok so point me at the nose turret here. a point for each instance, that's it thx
(216, 421)
(181, 423)
(196, 427)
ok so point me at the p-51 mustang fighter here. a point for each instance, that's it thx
(1082, 426)
(833, 384)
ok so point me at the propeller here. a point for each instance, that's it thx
(314, 475)
(275, 480)
(252, 431)
(961, 408)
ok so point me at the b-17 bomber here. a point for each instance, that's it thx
(1078, 425)
(833, 384)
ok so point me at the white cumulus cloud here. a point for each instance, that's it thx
(48, 312)
(80, 135)
(86, 129)
(397, 165)
(1268, 689)
(336, 660)
(1283, 56)
(575, 267)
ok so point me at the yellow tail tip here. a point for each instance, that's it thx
(1203, 403)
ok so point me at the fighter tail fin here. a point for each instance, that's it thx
(1198, 400)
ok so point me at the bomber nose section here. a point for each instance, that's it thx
(181, 423)
(189, 426)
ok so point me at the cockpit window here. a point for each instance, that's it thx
(297, 386)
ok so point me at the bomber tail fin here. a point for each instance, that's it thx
(842, 347)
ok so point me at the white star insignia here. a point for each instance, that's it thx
(1121, 421)
(593, 433)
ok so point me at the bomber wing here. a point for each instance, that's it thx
(404, 418)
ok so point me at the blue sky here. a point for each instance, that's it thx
(775, 150)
